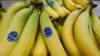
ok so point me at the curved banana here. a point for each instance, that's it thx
(40, 47)
(60, 2)
(57, 8)
(67, 33)
(9, 15)
(24, 40)
(32, 49)
(83, 37)
(71, 5)
(32, 40)
(96, 26)
(51, 36)
(81, 2)
(13, 32)
(49, 10)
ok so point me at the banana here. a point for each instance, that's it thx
(8, 16)
(49, 10)
(32, 49)
(71, 5)
(25, 37)
(67, 33)
(40, 47)
(60, 2)
(83, 37)
(51, 36)
(13, 32)
(31, 43)
(96, 26)
(81, 2)
(33, 46)
(59, 28)
(57, 8)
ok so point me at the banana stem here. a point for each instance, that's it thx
(93, 5)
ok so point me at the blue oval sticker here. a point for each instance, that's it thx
(47, 32)
(12, 36)
(52, 3)
(45, 4)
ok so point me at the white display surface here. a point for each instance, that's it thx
(97, 9)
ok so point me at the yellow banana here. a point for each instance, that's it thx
(81, 2)
(60, 2)
(49, 10)
(83, 37)
(9, 15)
(96, 26)
(51, 36)
(57, 8)
(67, 33)
(13, 32)
(40, 47)
(71, 5)
(25, 37)
(32, 49)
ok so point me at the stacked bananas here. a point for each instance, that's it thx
(50, 28)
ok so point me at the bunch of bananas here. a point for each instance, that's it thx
(50, 28)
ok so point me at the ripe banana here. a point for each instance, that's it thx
(57, 8)
(96, 26)
(32, 49)
(67, 33)
(60, 2)
(9, 15)
(13, 32)
(40, 47)
(51, 36)
(81, 2)
(49, 10)
(83, 37)
(32, 40)
(71, 5)
(25, 37)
